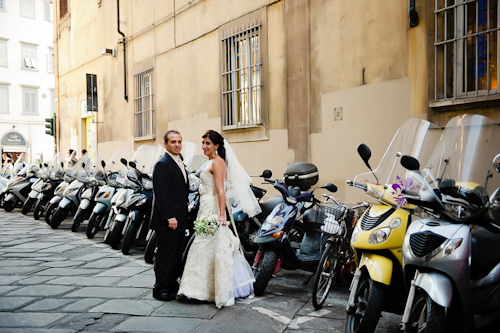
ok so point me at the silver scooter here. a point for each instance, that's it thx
(19, 186)
(451, 259)
(101, 211)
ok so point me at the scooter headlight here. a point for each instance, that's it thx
(147, 183)
(451, 246)
(396, 223)
(70, 190)
(142, 201)
(379, 236)
(194, 182)
(355, 234)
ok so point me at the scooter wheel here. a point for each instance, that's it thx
(50, 211)
(2, 198)
(9, 206)
(57, 218)
(326, 274)
(149, 253)
(129, 238)
(264, 271)
(28, 204)
(37, 213)
(94, 224)
(116, 235)
(426, 315)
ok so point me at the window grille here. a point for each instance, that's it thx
(143, 105)
(466, 48)
(241, 77)
(30, 103)
(63, 8)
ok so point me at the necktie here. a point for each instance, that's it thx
(181, 166)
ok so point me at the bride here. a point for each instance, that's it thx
(215, 269)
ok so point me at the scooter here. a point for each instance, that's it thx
(47, 189)
(101, 213)
(36, 189)
(451, 259)
(89, 192)
(275, 246)
(83, 170)
(9, 172)
(19, 186)
(377, 237)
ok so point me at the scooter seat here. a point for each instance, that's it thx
(268, 206)
(485, 254)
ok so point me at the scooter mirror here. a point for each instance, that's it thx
(123, 161)
(365, 154)
(132, 164)
(496, 163)
(103, 164)
(330, 187)
(83, 165)
(62, 164)
(45, 165)
(266, 174)
(410, 163)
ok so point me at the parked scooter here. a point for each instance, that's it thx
(452, 258)
(55, 175)
(140, 203)
(36, 188)
(19, 187)
(9, 172)
(85, 168)
(101, 213)
(377, 237)
(95, 180)
(275, 250)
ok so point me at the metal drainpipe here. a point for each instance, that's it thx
(124, 57)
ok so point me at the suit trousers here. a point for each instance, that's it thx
(168, 261)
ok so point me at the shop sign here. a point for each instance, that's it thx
(13, 138)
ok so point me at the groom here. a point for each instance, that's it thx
(169, 217)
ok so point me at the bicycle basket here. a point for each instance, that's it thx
(333, 220)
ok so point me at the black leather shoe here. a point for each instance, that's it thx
(166, 297)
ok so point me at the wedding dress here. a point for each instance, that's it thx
(214, 270)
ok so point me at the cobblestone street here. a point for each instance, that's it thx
(60, 281)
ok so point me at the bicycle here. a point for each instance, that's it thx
(338, 255)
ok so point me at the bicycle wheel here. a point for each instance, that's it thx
(326, 273)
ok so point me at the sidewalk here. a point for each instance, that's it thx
(60, 281)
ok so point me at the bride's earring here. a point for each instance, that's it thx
(216, 152)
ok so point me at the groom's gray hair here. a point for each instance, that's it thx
(165, 137)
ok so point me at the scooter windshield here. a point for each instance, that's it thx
(115, 164)
(146, 156)
(89, 166)
(19, 164)
(54, 167)
(415, 137)
(460, 169)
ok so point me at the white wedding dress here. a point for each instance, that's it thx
(215, 269)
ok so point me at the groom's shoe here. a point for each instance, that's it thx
(166, 297)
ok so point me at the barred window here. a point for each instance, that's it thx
(466, 48)
(241, 77)
(63, 8)
(143, 105)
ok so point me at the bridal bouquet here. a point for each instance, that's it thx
(206, 224)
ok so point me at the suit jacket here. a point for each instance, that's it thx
(170, 195)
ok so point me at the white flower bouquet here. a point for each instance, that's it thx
(206, 224)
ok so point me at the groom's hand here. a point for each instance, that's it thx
(172, 223)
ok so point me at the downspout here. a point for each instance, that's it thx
(124, 56)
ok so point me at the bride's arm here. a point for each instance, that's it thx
(219, 171)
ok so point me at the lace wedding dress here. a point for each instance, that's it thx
(214, 270)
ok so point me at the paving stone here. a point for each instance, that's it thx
(35, 245)
(34, 319)
(18, 241)
(109, 292)
(89, 281)
(159, 324)
(105, 263)
(40, 290)
(83, 305)
(16, 263)
(185, 309)
(123, 271)
(47, 304)
(12, 303)
(5, 289)
(36, 280)
(129, 307)
(106, 323)
(21, 270)
(318, 324)
(58, 249)
(68, 271)
(78, 321)
(92, 256)
(9, 279)
(140, 280)
(36, 330)
(65, 263)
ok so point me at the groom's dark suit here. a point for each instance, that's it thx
(169, 200)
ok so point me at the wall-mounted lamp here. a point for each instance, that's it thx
(111, 52)
(412, 13)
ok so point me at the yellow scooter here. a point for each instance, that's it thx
(377, 239)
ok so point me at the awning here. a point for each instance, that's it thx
(14, 149)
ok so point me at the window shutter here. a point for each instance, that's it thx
(3, 52)
(26, 102)
(47, 10)
(2, 5)
(34, 63)
(4, 99)
(33, 103)
(27, 62)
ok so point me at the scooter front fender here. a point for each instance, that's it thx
(65, 203)
(99, 208)
(84, 204)
(55, 200)
(121, 218)
(437, 286)
(379, 267)
(10, 197)
(33, 194)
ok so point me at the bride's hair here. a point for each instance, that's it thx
(217, 139)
